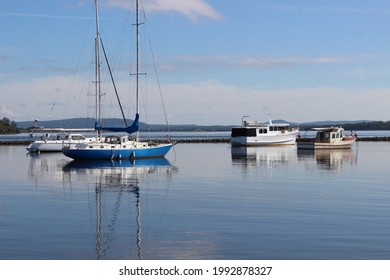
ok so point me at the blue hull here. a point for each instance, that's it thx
(136, 153)
(102, 164)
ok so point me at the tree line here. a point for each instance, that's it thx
(373, 125)
(8, 127)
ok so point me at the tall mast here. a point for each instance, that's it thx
(138, 62)
(98, 95)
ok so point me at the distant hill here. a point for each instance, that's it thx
(113, 122)
(327, 123)
(90, 123)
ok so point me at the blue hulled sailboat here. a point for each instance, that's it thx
(116, 147)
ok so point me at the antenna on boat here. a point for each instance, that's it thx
(242, 119)
(270, 120)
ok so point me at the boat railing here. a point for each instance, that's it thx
(251, 123)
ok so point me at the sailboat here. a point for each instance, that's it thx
(116, 147)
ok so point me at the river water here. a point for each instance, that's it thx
(204, 201)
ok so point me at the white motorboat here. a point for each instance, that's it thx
(252, 133)
(53, 140)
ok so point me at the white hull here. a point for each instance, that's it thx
(266, 140)
(252, 133)
(45, 146)
(54, 145)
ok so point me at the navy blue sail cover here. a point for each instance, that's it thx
(134, 127)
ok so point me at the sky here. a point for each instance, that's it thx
(216, 60)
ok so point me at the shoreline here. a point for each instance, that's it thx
(203, 140)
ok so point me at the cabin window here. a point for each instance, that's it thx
(262, 130)
(237, 132)
(78, 137)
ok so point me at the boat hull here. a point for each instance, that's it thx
(318, 145)
(56, 145)
(266, 140)
(83, 152)
(42, 146)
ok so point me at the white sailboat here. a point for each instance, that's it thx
(123, 146)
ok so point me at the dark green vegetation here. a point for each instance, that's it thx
(373, 125)
(8, 127)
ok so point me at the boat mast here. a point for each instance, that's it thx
(98, 95)
(138, 62)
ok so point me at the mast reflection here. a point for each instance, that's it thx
(117, 178)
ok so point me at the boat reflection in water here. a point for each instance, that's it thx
(264, 156)
(112, 181)
(45, 167)
(330, 159)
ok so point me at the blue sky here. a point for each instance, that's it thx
(217, 60)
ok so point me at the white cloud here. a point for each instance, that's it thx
(191, 63)
(6, 112)
(215, 103)
(328, 59)
(361, 73)
(257, 62)
(325, 9)
(42, 16)
(193, 9)
(208, 103)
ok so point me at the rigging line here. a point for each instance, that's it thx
(158, 79)
(81, 50)
(155, 69)
(113, 82)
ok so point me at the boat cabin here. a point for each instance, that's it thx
(329, 134)
(249, 131)
(75, 137)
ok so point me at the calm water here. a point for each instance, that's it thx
(208, 202)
